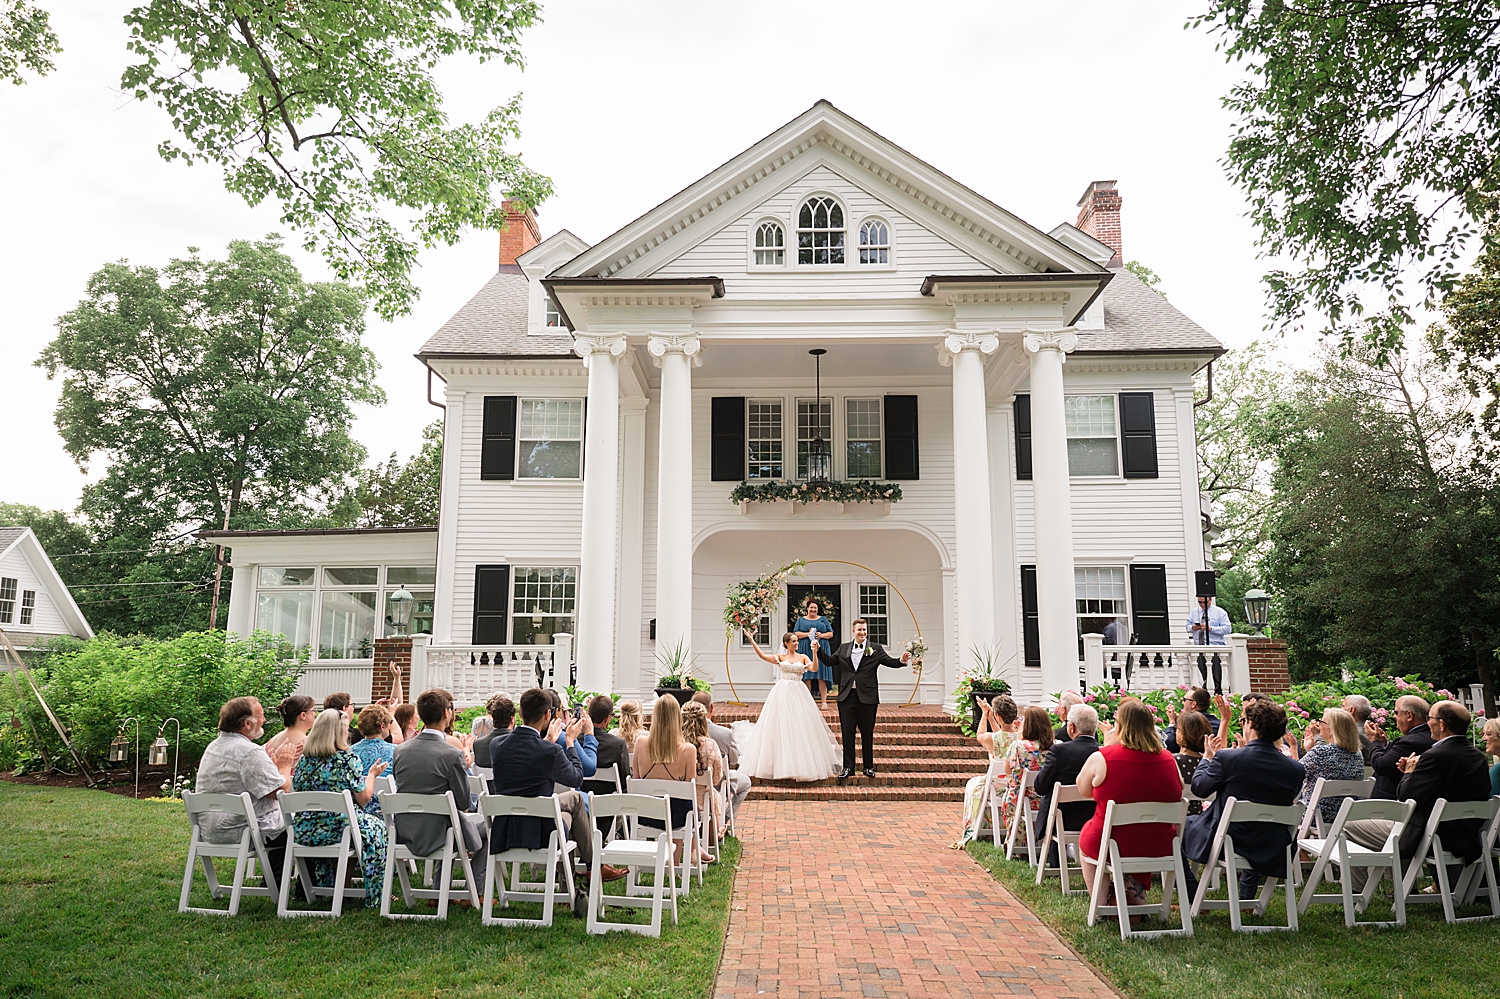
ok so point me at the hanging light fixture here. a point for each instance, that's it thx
(159, 753)
(401, 604)
(819, 458)
(119, 749)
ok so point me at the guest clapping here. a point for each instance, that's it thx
(297, 715)
(663, 754)
(327, 764)
(374, 725)
(1337, 757)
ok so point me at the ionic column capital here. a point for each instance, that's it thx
(660, 346)
(958, 341)
(1064, 341)
(587, 344)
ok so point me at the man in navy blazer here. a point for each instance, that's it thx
(1416, 739)
(1257, 772)
(1062, 766)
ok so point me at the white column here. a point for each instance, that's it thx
(972, 528)
(601, 495)
(1054, 509)
(630, 629)
(676, 356)
(447, 553)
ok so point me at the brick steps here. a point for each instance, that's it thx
(855, 793)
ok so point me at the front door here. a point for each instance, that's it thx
(797, 593)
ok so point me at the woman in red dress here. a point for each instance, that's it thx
(1131, 766)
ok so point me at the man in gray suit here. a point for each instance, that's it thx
(739, 783)
(426, 764)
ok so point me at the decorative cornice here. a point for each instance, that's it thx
(1064, 341)
(956, 342)
(586, 344)
(660, 346)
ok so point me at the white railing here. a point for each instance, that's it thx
(1158, 667)
(322, 679)
(472, 673)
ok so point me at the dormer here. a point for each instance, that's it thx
(536, 263)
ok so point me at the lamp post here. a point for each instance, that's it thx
(119, 749)
(1257, 609)
(159, 752)
(819, 458)
(401, 604)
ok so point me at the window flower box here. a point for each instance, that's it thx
(800, 493)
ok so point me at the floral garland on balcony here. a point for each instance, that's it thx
(850, 491)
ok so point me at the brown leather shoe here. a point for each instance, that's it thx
(608, 872)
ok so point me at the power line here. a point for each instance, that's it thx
(163, 582)
(132, 551)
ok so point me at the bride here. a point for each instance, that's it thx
(790, 741)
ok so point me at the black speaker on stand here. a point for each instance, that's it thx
(1206, 584)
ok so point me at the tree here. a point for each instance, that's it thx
(26, 40)
(1367, 139)
(403, 495)
(1468, 336)
(219, 391)
(1150, 278)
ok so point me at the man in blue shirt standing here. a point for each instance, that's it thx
(1208, 624)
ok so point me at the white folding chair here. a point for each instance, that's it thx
(989, 801)
(634, 854)
(485, 774)
(707, 834)
(478, 786)
(1489, 837)
(385, 784)
(1062, 794)
(1223, 854)
(1336, 849)
(1312, 818)
(1431, 851)
(1113, 867)
(398, 855)
(245, 851)
(350, 845)
(1027, 808)
(687, 832)
(557, 853)
(727, 790)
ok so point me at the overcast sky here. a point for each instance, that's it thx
(627, 103)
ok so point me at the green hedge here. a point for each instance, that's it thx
(93, 685)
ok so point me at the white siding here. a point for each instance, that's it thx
(46, 620)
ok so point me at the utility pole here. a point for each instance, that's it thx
(213, 608)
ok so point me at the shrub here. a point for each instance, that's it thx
(93, 685)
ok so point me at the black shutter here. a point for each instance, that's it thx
(497, 452)
(1138, 434)
(1031, 629)
(902, 453)
(491, 597)
(1023, 440)
(1150, 614)
(727, 439)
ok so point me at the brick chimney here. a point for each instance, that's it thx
(520, 234)
(1099, 216)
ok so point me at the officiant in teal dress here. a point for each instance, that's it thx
(812, 626)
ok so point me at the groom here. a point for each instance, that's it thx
(854, 667)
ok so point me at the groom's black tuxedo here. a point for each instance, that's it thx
(859, 695)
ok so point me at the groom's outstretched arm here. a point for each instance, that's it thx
(885, 659)
(825, 658)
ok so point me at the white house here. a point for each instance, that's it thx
(1032, 400)
(35, 605)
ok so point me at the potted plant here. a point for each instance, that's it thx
(676, 677)
(975, 685)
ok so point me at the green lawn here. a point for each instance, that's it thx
(1323, 959)
(88, 907)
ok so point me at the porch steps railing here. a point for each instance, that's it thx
(1165, 667)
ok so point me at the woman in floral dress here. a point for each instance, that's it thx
(997, 730)
(327, 764)
(1026, 753)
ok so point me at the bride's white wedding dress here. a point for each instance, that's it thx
(791, 741)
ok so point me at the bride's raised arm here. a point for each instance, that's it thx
(751, 635)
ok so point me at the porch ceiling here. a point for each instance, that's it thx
(768, 363)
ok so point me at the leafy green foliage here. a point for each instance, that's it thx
(403, 495)
(94, 685)
(851, 491)
(1148, 277)
(212, 387)
(1366, 138)
(1467, 340)
(26, 40)
(331, 109)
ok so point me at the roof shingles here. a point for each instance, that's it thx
(494, 323)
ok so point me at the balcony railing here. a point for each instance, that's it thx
(1166, 667)
(473, 673)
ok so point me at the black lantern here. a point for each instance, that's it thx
(1257, 609)
(819, 457)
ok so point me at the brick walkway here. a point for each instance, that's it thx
(866, 899)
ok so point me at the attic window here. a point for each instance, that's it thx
(770, 244)
(874, 242)
(820, 232)
(554, 318)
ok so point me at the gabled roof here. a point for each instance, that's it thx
(1138, 320)
(1006, 236)
(494, 323)
(25, 539)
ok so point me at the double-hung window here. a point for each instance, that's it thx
(814, 419)
(874, 607)
(1099, 593)
(550, 438)
(763, 439)
(542, 603)
(28, 605)
(1093, 446)
(862, 438)
(8, 599)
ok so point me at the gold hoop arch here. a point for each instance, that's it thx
(838, 561)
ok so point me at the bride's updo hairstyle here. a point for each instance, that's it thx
(788, 637)
(666, 730)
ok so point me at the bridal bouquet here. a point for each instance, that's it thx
(752, 599)
(918, 649)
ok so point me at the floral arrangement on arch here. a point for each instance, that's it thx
(752, 599)
(852, 491)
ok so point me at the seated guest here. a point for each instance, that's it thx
(298, 713)
(481, 726)
(588, 743)
(663, 754)
(502, 714)
(1026, 752)
(1358, 705)
(374, 726)
(1131, 766)
(739, 783)
(1193, 730)
(1492, 747)
(612, 751)
(1065, 700)
(1061, 767)
(427, 764)
(710, 762)
(327, 764)
(235, 763)
(1416, 739)
(406, 722)
(1451, 769)
(632, 722)
(1257, 772)
(530, 763)
(1196, 700)
(996, 736)
(1335, 757)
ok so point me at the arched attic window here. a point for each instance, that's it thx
(770, 244)
(820, 231)
(874, 242)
